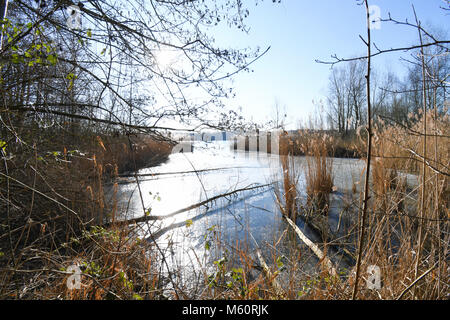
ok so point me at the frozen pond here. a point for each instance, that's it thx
(229, 222)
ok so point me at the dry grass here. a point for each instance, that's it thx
(393, 219)
(395, 210)
(288, 201)
(54, 197)
(114, 265)
(402, 144)
(319, 173)
(394, 213)
(303, 143)
(131, 153)
(117, 265)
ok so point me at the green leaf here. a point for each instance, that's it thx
(3, 145)
(52, 59)
(137, 297)
(89, 33)
(189, 223)
(238, 270)
(15, 58)
(280, 263)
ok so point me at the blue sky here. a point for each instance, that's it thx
(299, 32)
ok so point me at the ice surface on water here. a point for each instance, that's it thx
(253, 211)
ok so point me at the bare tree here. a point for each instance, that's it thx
(278, 116)
(368, 159)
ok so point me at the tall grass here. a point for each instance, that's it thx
(303, 143)
(319, 173)
(131, 153)
(394, 211)
(55, 201)
(288, 201)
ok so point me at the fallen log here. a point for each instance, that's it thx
(131, 175)
(160, 232)
(314, 248)
(194, 206)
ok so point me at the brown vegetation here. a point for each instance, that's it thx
(394, 211)
(337, 145)
(319, 173)
(288, 201)
(55, 197)
(59, 105)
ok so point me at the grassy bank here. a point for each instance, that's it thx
(407, 228)
(304, 142)
(301, 143)
(53, 200)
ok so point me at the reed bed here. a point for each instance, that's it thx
(303, 142)
(53, 203)
(319, 173)
(289, 199)
(397, 212)
(117, 264)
